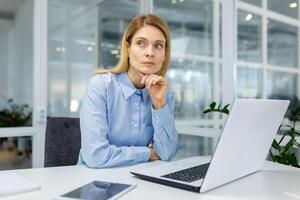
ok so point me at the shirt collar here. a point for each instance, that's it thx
(128, 88)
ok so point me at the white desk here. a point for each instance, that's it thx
(273, 182)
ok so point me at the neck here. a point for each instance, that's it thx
(135, 78)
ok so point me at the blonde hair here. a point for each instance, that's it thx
(135, 24)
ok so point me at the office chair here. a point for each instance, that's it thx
(63, 141)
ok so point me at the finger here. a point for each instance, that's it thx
(150, 81)
(144, 78)
(147, 81)
(159, 80)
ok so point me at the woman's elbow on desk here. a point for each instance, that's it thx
(98, 158)
(93, 162)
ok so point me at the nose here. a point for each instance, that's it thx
(149, 51)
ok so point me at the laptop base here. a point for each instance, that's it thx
(168, 183)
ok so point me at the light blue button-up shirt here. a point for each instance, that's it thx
(118, 122)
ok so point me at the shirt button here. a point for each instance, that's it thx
(157, 117)
(136, 104)
(135, 125)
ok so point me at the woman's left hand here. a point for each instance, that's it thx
(157, 87)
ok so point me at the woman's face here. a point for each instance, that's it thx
(147, 50)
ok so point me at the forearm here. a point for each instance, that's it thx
(165, 138)
(102, 156)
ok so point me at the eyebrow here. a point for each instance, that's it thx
(161, 41)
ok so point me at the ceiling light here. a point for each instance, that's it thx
(114, 52)
(293, 5)
(74, 105)
(248, 17)
(171, 74)
(89, 48)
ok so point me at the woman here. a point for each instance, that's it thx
(127, 112)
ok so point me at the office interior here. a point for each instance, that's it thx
(50, 48)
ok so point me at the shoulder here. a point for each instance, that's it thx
(102, 79)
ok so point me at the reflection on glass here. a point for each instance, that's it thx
(82, 34)
(192, 87)
(15, 115)
(190, 23)
(97, 190)
(112, 27)
(16, 63)
(15, 153)
(249, 37)
(282, 44)
(285, 7)
(254, 2)
(282, 85)
(249, 82)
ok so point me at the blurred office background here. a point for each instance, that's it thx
(49, 49)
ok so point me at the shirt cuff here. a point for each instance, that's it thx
(143, 154)
(161, 116)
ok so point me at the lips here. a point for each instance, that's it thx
(148, 63)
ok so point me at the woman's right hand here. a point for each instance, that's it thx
(153, 155)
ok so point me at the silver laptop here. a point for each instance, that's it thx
(241, 150)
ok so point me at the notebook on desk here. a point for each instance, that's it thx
(241, 150)
(11, 184)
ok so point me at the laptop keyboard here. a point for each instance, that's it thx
(190, 174)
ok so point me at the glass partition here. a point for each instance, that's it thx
(286, 7)
(249, 37)
(270, 68)
(16, 83)
(191, 70)
(249, 82)
(16, 63)
(82, 35)
(282, 44)
(254, 2)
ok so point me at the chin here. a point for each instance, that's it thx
(148, 72)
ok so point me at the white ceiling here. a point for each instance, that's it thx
(10, 6)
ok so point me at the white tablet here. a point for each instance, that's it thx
(98, 190)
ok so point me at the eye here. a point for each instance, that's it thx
(158, 46)
(141, 43)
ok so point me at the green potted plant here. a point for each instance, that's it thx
(284, 154)
(15, 115)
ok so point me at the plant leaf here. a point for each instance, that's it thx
(213, 105)
(289, 144)
(292, 159)
(207, 111)
(278, 159)
(226, 107)
(226, 111)
(275, 145)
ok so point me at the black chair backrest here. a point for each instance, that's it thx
(63, 141)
